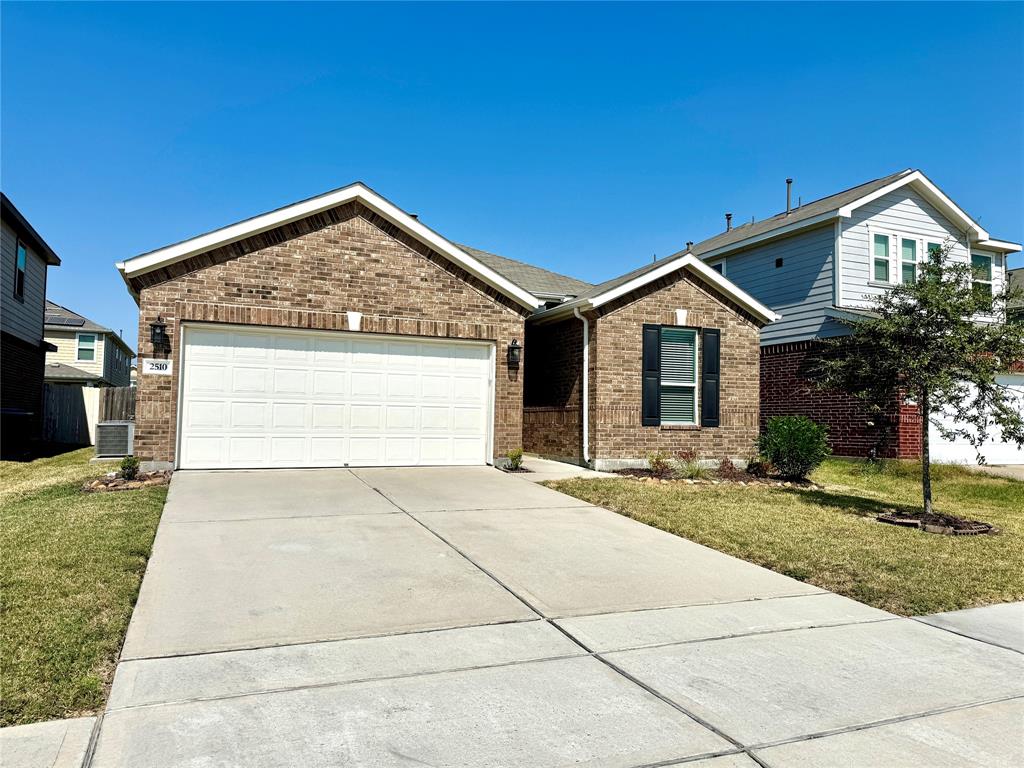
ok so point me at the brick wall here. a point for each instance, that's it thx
(307, 275)
(21, 386)
(615, 356)
(853, 429)
(552, 416)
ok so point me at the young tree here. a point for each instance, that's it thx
(942, 340)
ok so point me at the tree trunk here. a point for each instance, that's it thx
(926, 464)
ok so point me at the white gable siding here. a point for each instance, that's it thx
(21, 318)
(800, 290)
(902, 212)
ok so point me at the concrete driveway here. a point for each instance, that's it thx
(465, 617)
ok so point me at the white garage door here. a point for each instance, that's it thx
(995, 451)
(268, 398)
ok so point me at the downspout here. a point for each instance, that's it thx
(586, 384)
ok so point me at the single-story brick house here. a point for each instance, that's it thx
(341, 331)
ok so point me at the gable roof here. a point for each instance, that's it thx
(65, 372)
(58, 318)
(13, 217)
(162, 257)
(841, 205)
(638, 278)
(540, 282)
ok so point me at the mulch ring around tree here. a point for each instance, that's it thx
(949, 525)
(113, 482)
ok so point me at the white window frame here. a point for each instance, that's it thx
(696, 380)
(991, 282)
(872, 258)
(78, 347)
(917, 241)
(721, 263)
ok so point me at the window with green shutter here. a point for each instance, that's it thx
(678, 388)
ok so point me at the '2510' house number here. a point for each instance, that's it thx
(156, 367)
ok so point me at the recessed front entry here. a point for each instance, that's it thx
(260, 397)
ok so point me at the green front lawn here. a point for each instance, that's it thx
(70, 567)
(830, 538)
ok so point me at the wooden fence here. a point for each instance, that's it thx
(117, 404)
(71, 411)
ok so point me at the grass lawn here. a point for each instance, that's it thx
(830, 538)
(70, 569)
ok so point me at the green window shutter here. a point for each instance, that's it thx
(650, 407)
(710, 376)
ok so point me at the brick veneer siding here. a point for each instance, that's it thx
(307, 275)
(615, 356)
(853, 430)
(552, 416)
(21, 385)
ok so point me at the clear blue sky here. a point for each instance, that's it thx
(583, 138)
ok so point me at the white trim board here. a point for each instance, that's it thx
(162, 257)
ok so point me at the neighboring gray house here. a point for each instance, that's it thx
(84, 352)
(1015, 309)
(25, 258)
(825, 260)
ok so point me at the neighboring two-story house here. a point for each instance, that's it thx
(25, 258)
(84, 352)
(823, 261)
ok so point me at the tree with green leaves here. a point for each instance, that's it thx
(940, 340)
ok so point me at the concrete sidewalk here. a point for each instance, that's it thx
(468, 617)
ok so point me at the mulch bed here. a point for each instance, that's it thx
(515, 471)
(647, 475)
(950, 525)
(112, 482)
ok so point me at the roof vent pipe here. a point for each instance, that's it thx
(689, 245)
(728, 222)
(789, 195)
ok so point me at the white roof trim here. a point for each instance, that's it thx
(935, 195)
(162, 257)
(999, 245)
(688, 261)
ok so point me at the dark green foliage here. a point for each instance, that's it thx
(794, 445)
(129, 468)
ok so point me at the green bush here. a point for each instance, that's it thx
(129, 467)
(794, 445)
(515, 458)
(660, 464)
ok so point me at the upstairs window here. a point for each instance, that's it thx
(20, 260)
(678, 375)
(981, 280)
(934, 249)
(86, 346)
(880, 250)
(908, 260)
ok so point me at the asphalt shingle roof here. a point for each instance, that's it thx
(58, 371)
(1016, 280)
(533, 279)
(60, 318)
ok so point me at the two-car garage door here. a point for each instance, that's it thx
(267, 398)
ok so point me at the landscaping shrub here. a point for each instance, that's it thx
(660, 464)
(759, 467)
(794, 445)
(689, 467)
(729, 471)
(129, 468)
(515, 458)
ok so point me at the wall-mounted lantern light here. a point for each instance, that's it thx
(515, 353)
(158, 334)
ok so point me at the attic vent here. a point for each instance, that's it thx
(778, 262)
(114, 438)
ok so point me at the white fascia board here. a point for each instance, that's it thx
(785, 229)
(999, 245)
(935, 195)
(147, 262)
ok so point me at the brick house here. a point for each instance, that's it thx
(341, 331)
(823, 261)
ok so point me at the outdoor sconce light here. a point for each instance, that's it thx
(158, 334)
(515, 353)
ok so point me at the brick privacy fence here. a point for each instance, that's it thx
(307, 275)
(784, 392)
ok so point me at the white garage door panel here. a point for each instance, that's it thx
(299, 399)
(995, 451)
